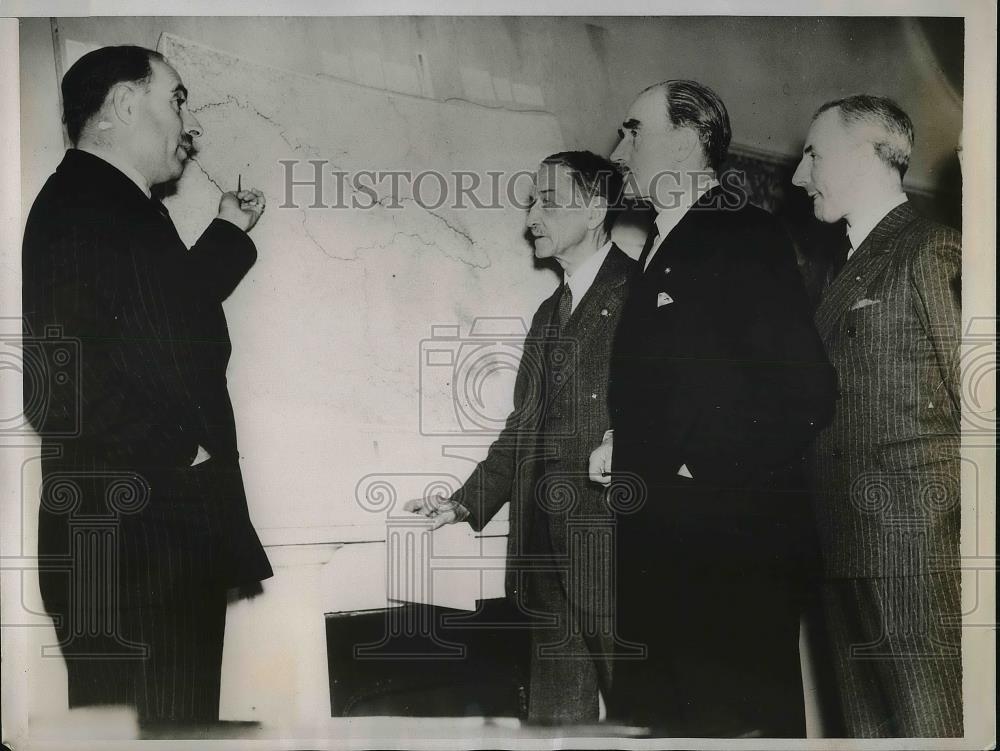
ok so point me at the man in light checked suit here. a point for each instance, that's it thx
(886, 471)
(559, 552)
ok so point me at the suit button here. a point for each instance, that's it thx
(851, 331)
(835, 453)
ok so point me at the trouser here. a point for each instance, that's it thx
(719, 622)
(897, 654)
(570, 659)
(165, 659)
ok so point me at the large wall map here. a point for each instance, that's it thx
(352, 350)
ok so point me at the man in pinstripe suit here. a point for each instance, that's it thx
(143, 524)
(886, 471)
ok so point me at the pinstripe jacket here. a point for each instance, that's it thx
(104, 270)
(886, 470)
(541, 456)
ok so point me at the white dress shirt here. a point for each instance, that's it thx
(583, 278)
(862, 226)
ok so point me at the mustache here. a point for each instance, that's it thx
(189, 147)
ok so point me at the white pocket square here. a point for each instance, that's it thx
(663, 299)
(685, 472)
(864, 303)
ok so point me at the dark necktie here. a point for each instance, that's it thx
(557, 349)
(651, 238)
(158, 204)
(565, 307)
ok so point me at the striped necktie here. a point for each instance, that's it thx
(565, 307)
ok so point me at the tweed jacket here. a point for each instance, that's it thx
(886, 470)
(539, 462)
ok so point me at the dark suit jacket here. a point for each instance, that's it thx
(726, 373)
(104, 264)
(886, 471)
(542, 454)
(718, 367)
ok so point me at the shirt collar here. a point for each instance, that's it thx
(119, 164)
(670, 216)
(581, 280)
(862, 226)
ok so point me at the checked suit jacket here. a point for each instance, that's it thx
(539, 462)
(886, 470)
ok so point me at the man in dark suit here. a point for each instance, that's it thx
(143, 524)
(539, 460)
(886, 471)
(718, 382)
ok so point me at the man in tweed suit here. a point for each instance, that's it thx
(539, 461)
(143, 524)
(886, 471)
(718, 383)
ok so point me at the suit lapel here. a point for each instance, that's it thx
(865, 263)
(684, 239)
(600, 303)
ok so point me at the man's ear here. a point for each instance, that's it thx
(687, 140)
(122, 100)
(872, 164)
(598, 210)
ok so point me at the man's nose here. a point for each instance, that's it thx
(191, 125)
(618, 155)
(799, 179)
